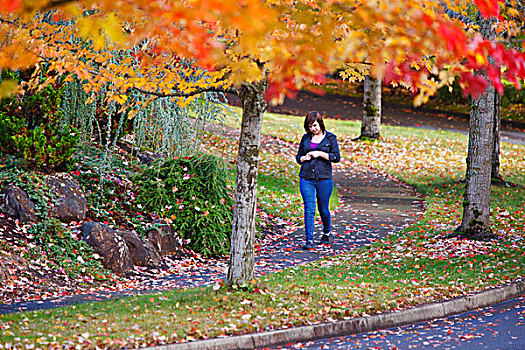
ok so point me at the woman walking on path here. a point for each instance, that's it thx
(317, 151)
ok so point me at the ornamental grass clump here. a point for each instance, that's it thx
(194, 194)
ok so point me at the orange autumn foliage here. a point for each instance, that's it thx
(287, 42)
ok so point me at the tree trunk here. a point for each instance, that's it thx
(371, 125)
(476, 202)
(475, 223)
(496, 177)
(242, 260)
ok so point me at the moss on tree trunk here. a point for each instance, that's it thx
(371, 124)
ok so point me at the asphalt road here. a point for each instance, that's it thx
(501, 326)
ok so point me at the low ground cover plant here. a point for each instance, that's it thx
(47, 241)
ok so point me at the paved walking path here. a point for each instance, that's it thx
(372, 206)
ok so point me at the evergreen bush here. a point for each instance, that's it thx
(193, 193)
(30, 130)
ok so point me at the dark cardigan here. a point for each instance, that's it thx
(318, 168)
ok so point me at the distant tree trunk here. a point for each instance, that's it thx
(371, 125)
(476, 202)
(242, 260)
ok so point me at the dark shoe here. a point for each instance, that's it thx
(325, 239)
(309, 245)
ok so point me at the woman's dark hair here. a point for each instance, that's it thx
(311, 118)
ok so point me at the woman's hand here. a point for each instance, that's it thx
(316, 154)
(306, 158)
(313, 154)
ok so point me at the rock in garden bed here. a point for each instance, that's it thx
(107, 243)
(68, 202)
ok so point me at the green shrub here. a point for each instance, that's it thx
(10, 126)
(192, 192)
(30, 130)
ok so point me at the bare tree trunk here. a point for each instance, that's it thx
(476, 202)
(475, 222)
(242, 260)
(496, 136)
(371, 125)
(496, 177)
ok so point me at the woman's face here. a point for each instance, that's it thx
(315, 128)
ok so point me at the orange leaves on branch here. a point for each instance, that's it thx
(448, 47)
(288, 42)
(471, 84)
(456, 39)
(508, 61)
(101, 29)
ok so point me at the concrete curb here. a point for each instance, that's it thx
(357, 325)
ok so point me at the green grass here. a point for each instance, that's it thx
(408, 268)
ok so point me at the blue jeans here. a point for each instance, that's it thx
(312, 190)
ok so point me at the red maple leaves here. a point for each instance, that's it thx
(10, 5)
(489, 8)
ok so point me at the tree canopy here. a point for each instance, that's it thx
(288, 42)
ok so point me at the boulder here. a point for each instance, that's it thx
(154, 236)
(107, 243)
(70, 200)
(18, 204)
(139, 253)
(165, 239)
(154, 257)
(172, 245)
(4, 270)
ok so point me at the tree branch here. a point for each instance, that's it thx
(229, 90)
(57, 3)
(9, 22)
